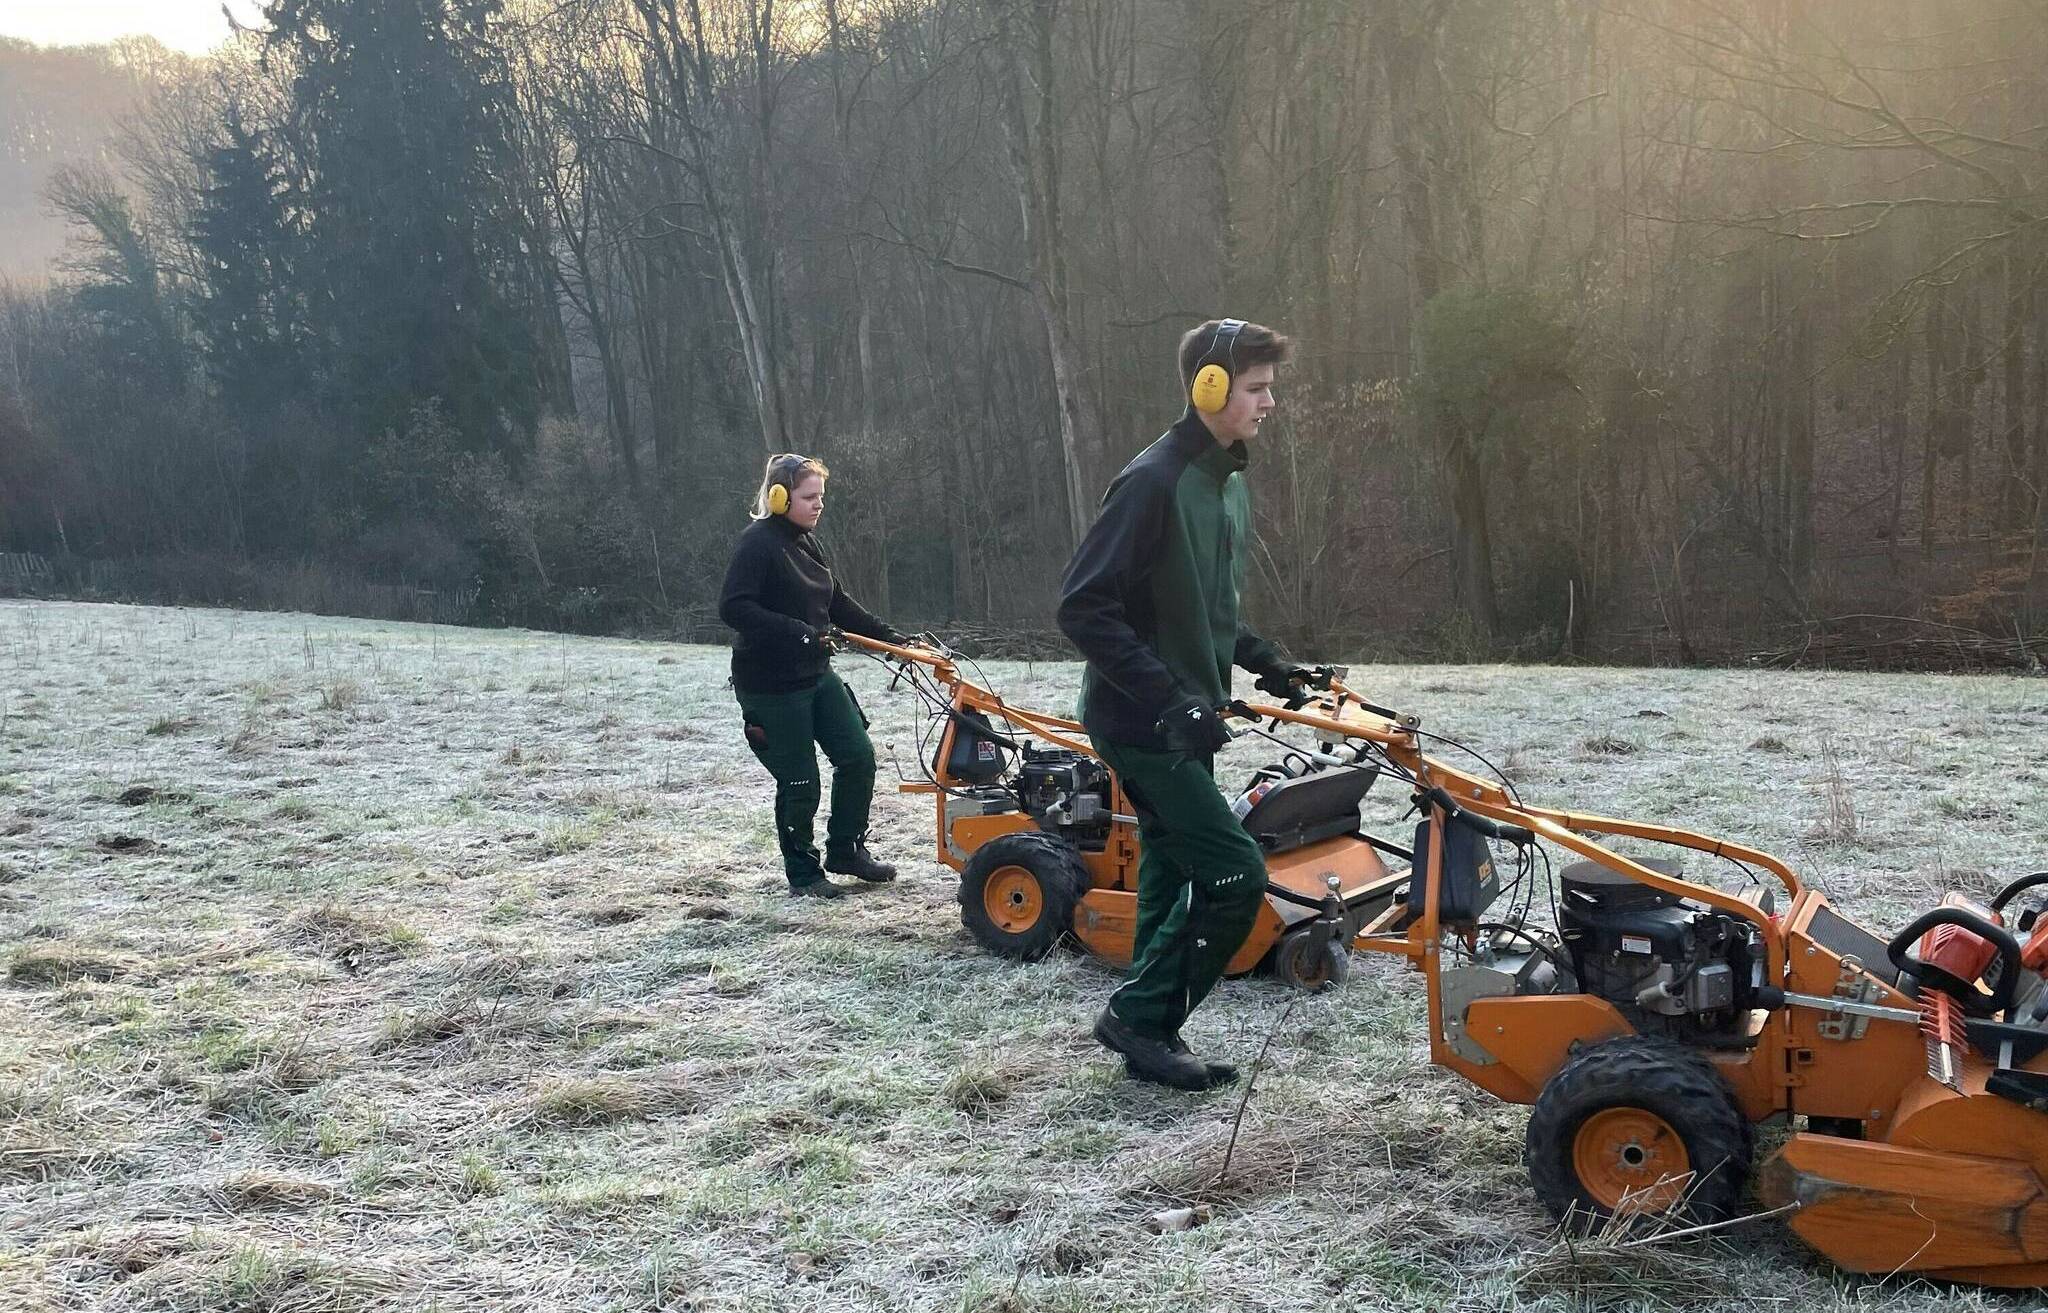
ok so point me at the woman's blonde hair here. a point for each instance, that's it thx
(786, 470)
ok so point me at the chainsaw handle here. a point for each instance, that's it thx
(1492, 829)
(1973, 999)
(2017, 888)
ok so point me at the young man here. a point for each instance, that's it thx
(1151, 599)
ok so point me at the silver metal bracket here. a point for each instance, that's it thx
(1853, 1006)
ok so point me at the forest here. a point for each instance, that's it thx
(1668, 331)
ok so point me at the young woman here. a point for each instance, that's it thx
(781, 597)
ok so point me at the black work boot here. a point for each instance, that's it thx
(1150, 1059)
(861, 865)
(818, 888)
(1220, 1073)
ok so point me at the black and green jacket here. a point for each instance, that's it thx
(1151, 596)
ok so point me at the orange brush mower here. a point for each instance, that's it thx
(1652, 1020)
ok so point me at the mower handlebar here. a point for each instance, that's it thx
(1343, 691)
(911, 651)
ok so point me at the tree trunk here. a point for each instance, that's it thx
(1937, 380)
(2016, 505)
(683, 58)
(2040, 467)
(1419, 132)
(1472, 567)
(1963, 413)
(1799, 448)
(1897, 429)
(1032, 121)
(618, 403)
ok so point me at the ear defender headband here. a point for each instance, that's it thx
(1211, 387)
(786, 468)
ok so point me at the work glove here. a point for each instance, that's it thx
(1285, 679)
(1192, 726)
(827, 637)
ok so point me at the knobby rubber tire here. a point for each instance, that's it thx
(1062, 880)
(1656, 1076)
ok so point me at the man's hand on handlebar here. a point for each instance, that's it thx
(1192, 726)
(1289, 679)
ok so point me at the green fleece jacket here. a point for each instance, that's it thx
(1151, 596)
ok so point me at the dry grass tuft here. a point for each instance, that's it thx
(253, 1075)
(479, 1177)
(1642, 1262)
(615, 914)
(422, 1027)
(354, 939)
(254, 1191)
(127, 843)
(1268, 1160)
(33, 1154)
(977, 1091)
(496, 969)
(254, 1277)
(1838, 823)
(130, 1250)
(59, 963)
(340, 695)
(171, 725)
(571, 1101)
(1609, 745)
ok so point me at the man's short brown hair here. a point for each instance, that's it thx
(1255, 344)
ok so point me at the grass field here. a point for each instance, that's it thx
(358, 965)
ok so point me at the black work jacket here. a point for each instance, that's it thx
(779, 591)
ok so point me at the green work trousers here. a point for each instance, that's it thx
(1201, 879)
(780, 728)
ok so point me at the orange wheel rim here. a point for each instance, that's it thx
(1631, 1161)
(1013, 900)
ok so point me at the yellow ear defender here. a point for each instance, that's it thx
(785, 469)
(1211, 389)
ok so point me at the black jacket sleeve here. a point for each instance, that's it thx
(1256, 654)
(857, 619)
(740, 603)
(1110, 568)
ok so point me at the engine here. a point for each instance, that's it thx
(1067, 794)
(1669, 967)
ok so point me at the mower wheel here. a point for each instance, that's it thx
(1018, 893)
(1298, 962)
(1636, 1127)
